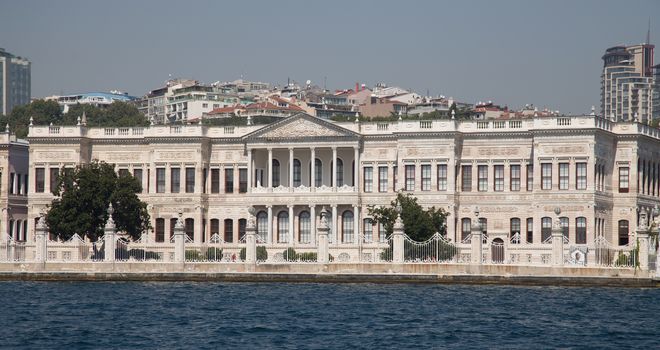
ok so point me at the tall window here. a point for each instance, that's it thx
(368, 179)
(530, 177)
(297, 173)
(215, 180)
(483, 222)
(426, 177)
(340, 172)
(442, 177)
(466, 227)
(563, 176)
(410, 177)
(514, 228)
(382, 179)
(137, 174)
(190, 180)
(54, 173)
(368, 230)
(172, 225)
(580, 230)
(482, 176)
(382, 234)
(347, 227)
(242, 228)
(11, 184)
(624, 179)
(563, 223)
(466, 178)
(262, 225)
(40, 180)
(229, 180)
(515, 177)
(229, 230)
(581, 176)
(530, 230)
(499, 178)
(623, 232)
(275, 172)
(395, 177)
(282, 227)
(175, 180)
(546, 228)
(160, 180)
(242, 180)
(318, 172)
(215, 227)
(546, 176)
(160, 230)
(305, 227)
(190, 228)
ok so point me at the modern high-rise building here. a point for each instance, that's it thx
(627, 82)
(656, 93)
(15, 81)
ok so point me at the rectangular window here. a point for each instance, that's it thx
(581, 230)
(442, 177)
(546, 176)
(40, 180)
(215, 180)
(530, 177)
(382, 179)
(581, 176)
(160, 230)
(11, 183)
(19, 185)
(160, 180)
(242, 180)
(410, 177)
(546, 229)
(515, 177)
(54, 173)
(624, 179)
(205, 178)
(482, 176)
(123, 172)
(190, 180)
(368, 179)
(175, 180)
(229, 180)
(466, 178)
(137, 174)
(426, 177)
(395, 176)
(530, 230)
(499, 178)
(563, 176)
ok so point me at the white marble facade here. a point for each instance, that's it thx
(600, 173)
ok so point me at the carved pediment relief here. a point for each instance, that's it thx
(300, 126)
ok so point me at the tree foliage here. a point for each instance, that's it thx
(84, 194)
(420, 224)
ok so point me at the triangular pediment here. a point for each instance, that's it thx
(301, 126)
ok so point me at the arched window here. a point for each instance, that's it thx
(283, 227)
(368, 230)
(623, 232)
(580, 230)
(190, 228)
(318, 172)
(25, 224)
(305, 227)
(297, 173)
(563, 223)
(546, 229)
(530, 230)
(160, 230)
(466, 227)
(340, 172)
(275, 172)
(514, 230)
(347, 227)
(229, 230)
(262, 225)
(215, 227)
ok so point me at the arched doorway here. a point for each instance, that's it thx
(497, 251)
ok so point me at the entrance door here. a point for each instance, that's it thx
(497, 251)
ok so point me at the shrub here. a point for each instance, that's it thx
(214, 253)
(194, 255)
(262, 253)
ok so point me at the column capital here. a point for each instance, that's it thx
(334, 148)
(269, 206)
(313, 148)
(356, 147)
(270, 149)
(290, 206)
(311, 206)
(291, 148)
(333, 205)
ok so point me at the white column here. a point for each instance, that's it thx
(313, 171)
(333, 175)
(270, 223)
(250, 168)
(290, 169)
(269, 176)
(334, 224)
(179, 241)
(476, 242)
(398, 255)
(356, 169)
(356, 224)
(312, 215)
(291, 219)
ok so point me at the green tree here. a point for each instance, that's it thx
(84, 194)
(420, 224)
(117, 114)
(655, 123)
(43, 113)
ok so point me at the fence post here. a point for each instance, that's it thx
(109, 240)
(643, 240)
(250, 238)
(41, 249)
(557, 241)
(179, 240)
(322, 254)
(398, 255)
(476, 242)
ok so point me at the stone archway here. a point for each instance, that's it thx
(497, 251)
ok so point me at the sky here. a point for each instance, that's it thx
(546, 53)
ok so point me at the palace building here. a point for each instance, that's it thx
(600, 173)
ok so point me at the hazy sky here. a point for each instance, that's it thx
(512, 52)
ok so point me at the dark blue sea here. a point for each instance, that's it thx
(132, 315)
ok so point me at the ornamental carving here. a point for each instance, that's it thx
(301, 128)
(120, 156)
(498, 151)
(55, 155)
(174, 155)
